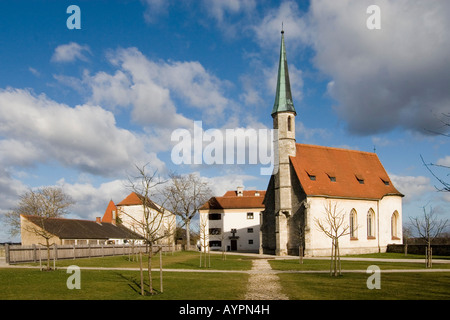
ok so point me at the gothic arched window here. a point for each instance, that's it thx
(370, 223)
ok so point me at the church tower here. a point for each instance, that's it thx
(283, 114)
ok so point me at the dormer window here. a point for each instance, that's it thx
(386, 182)
(332, 176)
(360, 178)
(311, 175)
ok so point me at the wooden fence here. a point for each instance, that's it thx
(35, 253)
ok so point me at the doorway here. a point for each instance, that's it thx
(233, 245)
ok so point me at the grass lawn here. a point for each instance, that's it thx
(32, 284)
(352, 286)
(27, 284)
(177, 260)
(324, 264)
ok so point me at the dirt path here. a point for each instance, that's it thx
(263, 283)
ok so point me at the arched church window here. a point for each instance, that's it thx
(353, 225)
(394, 225)
(289, 123)
(370, 223)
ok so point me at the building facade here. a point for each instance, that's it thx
(308, 180)
(232, 222)
(159, 222)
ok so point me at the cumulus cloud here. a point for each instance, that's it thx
(155, 9)
(382, 79)
(84, 137)
(413, 187)
(218, 9)
(71, 52)
(288, 14)
(151, 89)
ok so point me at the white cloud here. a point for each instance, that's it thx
(84, 137)
(90, 200)
(154, 9)
(394, 77)
(151, 89)
(294, 23)
(218, 9)
(70, 52)
(411, 186)
(444, 161)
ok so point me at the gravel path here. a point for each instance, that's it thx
(263, 283)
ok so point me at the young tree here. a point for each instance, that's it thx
(185, 194)
(334, 227)
(428, 227)
(43, 204)
(154, 217)
(204, 242)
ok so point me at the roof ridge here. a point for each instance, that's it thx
(335, 148)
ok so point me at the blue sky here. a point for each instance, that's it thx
(79, 108)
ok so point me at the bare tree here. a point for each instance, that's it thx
(185, 194)
(428, 227)
(334, 227)
(43, 204)
(151, 223)
(434, 167)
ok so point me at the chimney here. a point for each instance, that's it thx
(240, 191)
(98, 220)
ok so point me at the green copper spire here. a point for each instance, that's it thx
(283, 98)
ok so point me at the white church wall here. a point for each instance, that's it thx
(318, 244)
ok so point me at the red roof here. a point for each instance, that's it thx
(230, 200)
(325, 171)
(134, 199)
(107, 217)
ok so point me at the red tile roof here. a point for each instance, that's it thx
(134, 199)
(325, 171)
(107, 217)
(230, 200)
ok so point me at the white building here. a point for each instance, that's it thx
(308, 178)
(160, 221)
(232, 222)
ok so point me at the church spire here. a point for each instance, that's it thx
(283, 98)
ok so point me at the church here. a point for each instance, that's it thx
(308, 179)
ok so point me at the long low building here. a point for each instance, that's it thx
(35, 229)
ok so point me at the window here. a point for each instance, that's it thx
(311, 174)
(371, 224)
(332, 179)
(215, 216)
(386, 182)
(249, 230)
(215, 231)
(249, 215)
(353, 225)
(250, 241)
(215, 244)
(394, 226)
(360, 178)
(289, 123)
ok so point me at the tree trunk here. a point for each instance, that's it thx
(160, 271)
(188, 235)
(142, 273)
(48, 254)
(150, 282)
